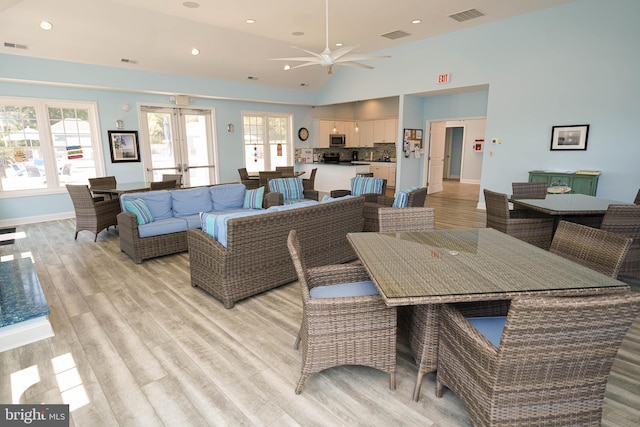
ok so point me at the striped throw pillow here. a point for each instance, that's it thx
(253, 198)
(139, 208)
(208, 221)
(400, 200)
(366, 185)
(291, 188)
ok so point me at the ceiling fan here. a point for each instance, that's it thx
(328, 58)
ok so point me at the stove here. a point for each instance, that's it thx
(331, 158)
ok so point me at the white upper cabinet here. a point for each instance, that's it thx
(385, 130)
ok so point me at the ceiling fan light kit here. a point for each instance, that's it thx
(328, 58)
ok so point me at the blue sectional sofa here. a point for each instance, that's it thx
(172, 213)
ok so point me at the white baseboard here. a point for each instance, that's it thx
(470, 181)
(12, 222)
(23, 333)
(482, 206)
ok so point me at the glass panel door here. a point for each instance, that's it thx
(179, 142)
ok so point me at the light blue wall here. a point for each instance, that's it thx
(577, 63)
(409, 170)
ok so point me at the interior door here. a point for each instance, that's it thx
(437, 136)
(179, 141)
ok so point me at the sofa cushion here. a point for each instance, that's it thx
(222, 219)
(341, 290)
(158, 202)
(191, 201)
(139, 208)
(193, 221)
(490, 327)
(366, 185)
(291, 188)
(253, 198)
(227, 196)
(300, 204)
(163, 226)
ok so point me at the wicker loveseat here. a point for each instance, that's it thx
(173, 213)
(256, 257)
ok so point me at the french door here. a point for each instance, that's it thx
(179, 141)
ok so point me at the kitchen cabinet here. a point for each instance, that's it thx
(364, 138)
(324, 128)
(580, 182)
(385, 130)
(386, 170)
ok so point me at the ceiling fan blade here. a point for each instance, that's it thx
(360, 57)
(306, 64)
(354, 64)
(319, 55)
(342, 51)
(298, 58)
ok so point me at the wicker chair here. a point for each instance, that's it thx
(250, 184)
(265, 176)
(625, 220)
(92, 215)
(637, 199)
(349, 330)
(287, 171)
(535, 230)
(529, 190)
(309, 183)
(421, 321)
(597, 249)
(105, 182)
(163, 185)
(550, 367)
(173, 177)
(375, 202)
(370, 197)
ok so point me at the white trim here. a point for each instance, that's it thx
(11, 222)
(470, 181)
(23, 333)
(482, 206)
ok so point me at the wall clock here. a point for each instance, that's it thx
(303, 134)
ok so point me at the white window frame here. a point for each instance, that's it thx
(266, 144)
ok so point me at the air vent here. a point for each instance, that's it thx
(128, 61)
(16, 46)
(466, 15)
(397, 34)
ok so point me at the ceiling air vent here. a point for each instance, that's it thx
(466, 15)
(128, 61)
(16, 46)
(397, 34)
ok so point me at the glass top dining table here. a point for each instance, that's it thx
(461, 265)
(124, 187)
(568, 204)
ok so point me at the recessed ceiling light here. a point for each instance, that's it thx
(287, 67)
(297, 33)
(250, 21)
(46, 25)
(191, 4)
(339, 44)
(195, 51)
(416, 21)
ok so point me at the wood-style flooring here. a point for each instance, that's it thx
(136, 345)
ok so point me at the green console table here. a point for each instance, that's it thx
(580, 182)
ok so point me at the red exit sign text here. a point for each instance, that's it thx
(444, 78)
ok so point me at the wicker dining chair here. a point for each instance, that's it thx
(265, 176)
(517, 223)
(546, 365)
(250, 184)
(529, 190)
(341, 330)
(421, 321)
(163, 185)
(104, 182)
(173, 177)
(599, 250)
(91, 215)
(625, 220)
(287, 171)
(309, 183)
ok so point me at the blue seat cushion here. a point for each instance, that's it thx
(163, 226)
(352, 289)
(191, 201)
(490, 327)
(228, 196)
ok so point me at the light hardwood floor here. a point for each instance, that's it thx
(136, 345)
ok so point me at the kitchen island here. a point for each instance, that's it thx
(332, 176)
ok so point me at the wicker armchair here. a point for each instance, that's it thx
(597, 249)
(395, 220)
(625, 220)
(535, 230)
(369, 197)
(92, 215)
(105, 182)
(347, 330)
(374, 202)
(309, 183)
(550, 367)
(250, 184)
(163, 185)
(529, 190)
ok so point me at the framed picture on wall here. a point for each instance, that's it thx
(123, 145)
(572, 137)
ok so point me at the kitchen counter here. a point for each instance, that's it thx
(333, 176)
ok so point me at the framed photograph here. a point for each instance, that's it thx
(569, 137)
(124, 146)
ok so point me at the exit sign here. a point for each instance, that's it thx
(444, 78)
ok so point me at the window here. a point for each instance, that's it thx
(267, 141)
(46, 145)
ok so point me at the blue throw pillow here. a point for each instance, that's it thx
(291, 188)
(253, 198)
(208, 221)
(139, 208)
(366, 185)
(400, 200)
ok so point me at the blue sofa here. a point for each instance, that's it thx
(172, 213)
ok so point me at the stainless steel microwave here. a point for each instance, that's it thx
(337, 140)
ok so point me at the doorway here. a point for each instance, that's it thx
(179, 141)
(453, 152)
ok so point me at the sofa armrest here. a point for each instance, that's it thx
(378, 199)
(340, 193)
(311, 194)
(272, 198)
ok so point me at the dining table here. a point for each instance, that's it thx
(579, 208)
(460, 265)
(295, 174)
(122, 187)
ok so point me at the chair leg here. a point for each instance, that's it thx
(392, 381)
(76, 238)
(297, 343)
(416, 390)
(95, 239)
(438, 389)
(301, 383)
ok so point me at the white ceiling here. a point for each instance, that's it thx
(159, 34)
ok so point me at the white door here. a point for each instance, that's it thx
(179, 141)
(437, 134)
